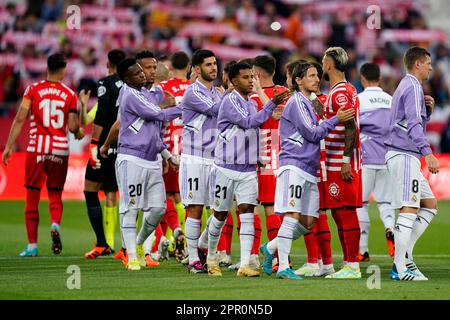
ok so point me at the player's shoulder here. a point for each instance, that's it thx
(69, 90)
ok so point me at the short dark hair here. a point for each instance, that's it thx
(55, 62)
(236, 68)
(227, 67)
(370, 71)
(123, 67)
(250, 61)
(115, 56)
(265, 62)
(144, 54)
(291, 65)
(413, 54)
(300, 71)
(163, 57)
(179, 60)
(319, 69)
(200, 55)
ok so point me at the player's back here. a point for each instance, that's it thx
(374, 112)
(51, 103)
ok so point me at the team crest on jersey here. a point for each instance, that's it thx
(190, 195)
(217, 203)
(334, 189)
(414, 198)
(132, 201)
(341, 99)
(292, 203)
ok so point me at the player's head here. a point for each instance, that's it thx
(56, 64)
(264, 66)
(225, 78)
(289, 70)
(180, 61)
(319, 69)
(370, 75)
(241, 76)
(205, 64)
(147, 61)
(162, 72)
(335, 60)
(417, 61)
(306, 78)
(115, 56)
(131, 73)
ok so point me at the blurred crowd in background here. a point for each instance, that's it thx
(233, 29)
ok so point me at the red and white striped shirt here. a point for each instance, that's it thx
(51, 103)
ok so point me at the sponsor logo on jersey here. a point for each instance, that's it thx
(334, 189)
(341, 99)
(101, 91)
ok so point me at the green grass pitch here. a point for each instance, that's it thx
(45, 277)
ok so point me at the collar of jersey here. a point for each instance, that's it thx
(373, 89)
(409, 74)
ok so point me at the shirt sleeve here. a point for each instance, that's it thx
(201, 103)
(29, 92)
(103, 102)
(414, 119)
(73, 106)
(235, 115)
(148, 111)
(304, 124)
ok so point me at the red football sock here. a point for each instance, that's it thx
(163, 224)
(158, 235)
(229, 235)
(273, 224)
(222, 244)
(324, 238)
(55, 205)
(171, 215)
(312, 247)
(337, 218)
(352, 233)
(258, 230)
(32, 214)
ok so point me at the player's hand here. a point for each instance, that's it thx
(257, 84)
(193, 76)
(278, 98)
(103, 150)
(165, 166)
(345, 114)
(346, 172)
(221, 89)
(169, 101)
(429, 103)
(174, 163)
(432, 163)
(230, 88)
(79, 134)
(277, 112)
(84, 96)
(6, 156)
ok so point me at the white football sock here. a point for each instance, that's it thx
(32, 246)
(402, 235)
(246, 237)
(192, 228)
(272, 245)
(121, 215)
(128, 227)
(150, 221)
(364, 225)
(214, 231)
(387, 215)
(285, 237)
(422, 222)
(203, 240)
(149, 243)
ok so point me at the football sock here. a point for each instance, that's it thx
(205, 216)
(246, 236)
(181, 214)
(55, 205)
(402, 235)
(95, 216)
(312, 245)
(203, 240)
(192, 227)
(364, 224)
(229, 232)
(32, 214)
(257, 238)
(149, 223)
(352, 233)
(214, 231)
(324, 239)
(421, 223)
(171, 215)
(158, 235)
(273, 224)
(387, 215)
(222, 244)
(32, 246)
(121, 215)
(129, 232)
(110, 222)
(337, 218)
(290, 230)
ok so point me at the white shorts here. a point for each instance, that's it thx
(194, 181)
(140, 187)
(227, 184)
(409, 185)
(294, 193)
(378, 181)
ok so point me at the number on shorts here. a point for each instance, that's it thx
(415, 186)
(224, 190)
(296, 191)
(135, 190)
(191, 181)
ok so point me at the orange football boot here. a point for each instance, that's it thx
(150, 262)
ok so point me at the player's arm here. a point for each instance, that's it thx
(148, 111)
(113, 136)
(350, 137)
(416, 130)
(16, 128)
(85, 116)
(202, 103)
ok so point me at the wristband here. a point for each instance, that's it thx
(345, 159)
(166, 154)
(94, 141)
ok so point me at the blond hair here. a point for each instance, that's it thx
(339, 57)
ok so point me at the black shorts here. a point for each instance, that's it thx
(106, 174)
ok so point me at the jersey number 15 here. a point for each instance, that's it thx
(52, 113)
